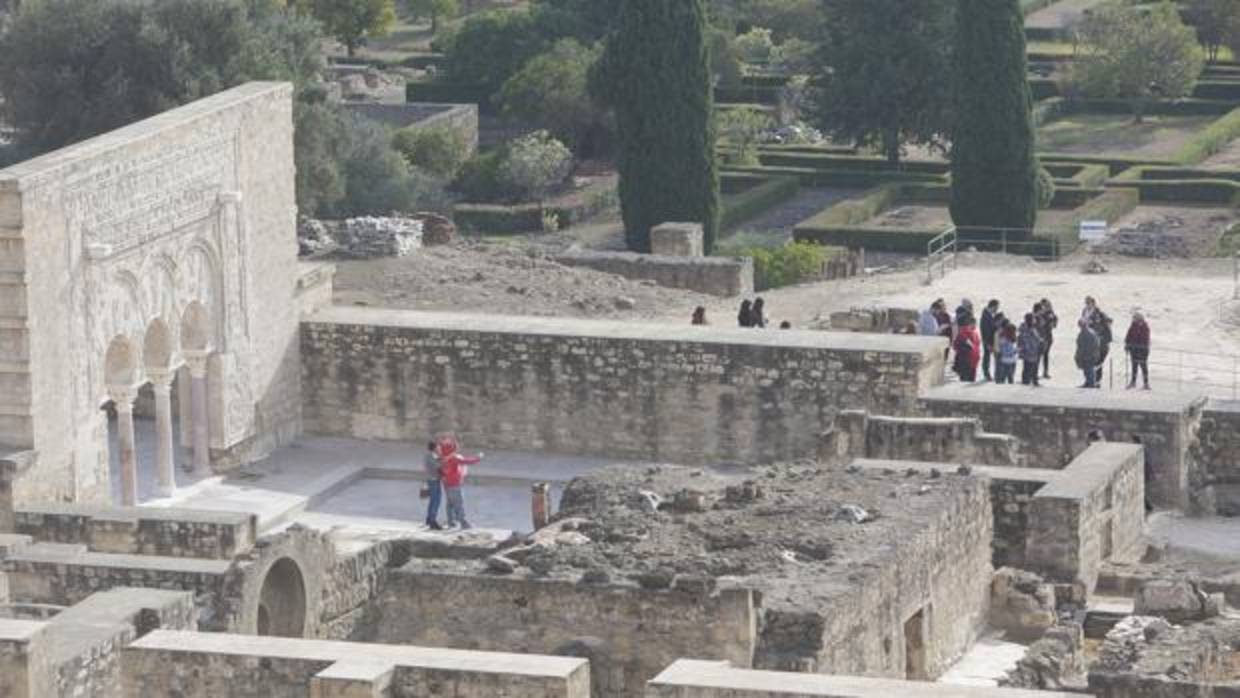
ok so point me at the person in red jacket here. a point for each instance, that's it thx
(968, 346)
(452, 467)
(1137, 343)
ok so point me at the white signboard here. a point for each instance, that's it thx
(1093, 231)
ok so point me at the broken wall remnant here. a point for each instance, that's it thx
(726, 277)
(669, 562)
(1053, 425)
(858, 434)
(1055, 661)
(1144, 656)
(1095, 511)
(686, 394)
(677, 240)
(1021, 604)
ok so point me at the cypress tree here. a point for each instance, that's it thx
(994, 169)
(655, 74)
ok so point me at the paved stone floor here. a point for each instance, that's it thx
(1210, 537)
(985, 663)
(368, 486)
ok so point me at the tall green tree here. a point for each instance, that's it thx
(655, 74)
(880, 73)
(1139, 55)
(434, 10)
(1216, 21)
(994, 169)
(351, 22)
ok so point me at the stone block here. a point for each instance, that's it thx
(677, 240)
(1177, 600)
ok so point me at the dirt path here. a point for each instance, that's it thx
(1060, 15)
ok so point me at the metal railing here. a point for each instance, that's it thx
(1217, 375)
(940, 250)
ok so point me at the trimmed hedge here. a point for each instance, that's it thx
(1218, 89)
(1115, 164)
(756, 200)
(849, 162)
(1197, 191)
(743, 94)
(1212, 140)
(805, 148)
(857, 179)
(871, 239)
(498, 219)
(1075, 174)
(1043, 88)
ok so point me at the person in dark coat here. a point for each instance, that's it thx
(944, 319)
(1047, 322)
(745, 317)
(759, 313)
(1029, 346)
(699, 316)
(1137, 344)
(1088, 349)
(988, 327)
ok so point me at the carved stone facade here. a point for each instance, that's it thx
(142, 252)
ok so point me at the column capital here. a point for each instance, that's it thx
(161, 379)
(123, 397)
(230, 198)
(197, 363)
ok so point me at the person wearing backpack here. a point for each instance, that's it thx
(1029, 344)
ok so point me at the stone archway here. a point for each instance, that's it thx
(282, 601)
(157, 355)
(120, 371)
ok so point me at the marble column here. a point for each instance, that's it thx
(123, 400)
(198, 413)
(161, 382)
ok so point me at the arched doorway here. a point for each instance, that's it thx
(282, 601)
(157, 355)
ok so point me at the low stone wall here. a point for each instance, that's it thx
(141, 530)
(1216, 488)
(422, 116)
(1053, 425)
(629, 634)
(315, 286)
(8, 472)
(209, 665)
(25, 668)
(857, 434)
(698, 679)
(1094, 511)
(680, 393)
(717, 276)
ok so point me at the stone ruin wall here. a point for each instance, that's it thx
(628, 633)
(694, 395)
(727, 277)
(195, 204)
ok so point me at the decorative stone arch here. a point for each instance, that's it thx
(282, 601)
(158, 348)
(279, 590)
(196, 334)
(121, 364)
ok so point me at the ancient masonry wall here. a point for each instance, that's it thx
(1217, 485)
(938, 588)
(102, 238)
(717, 276)
(933, 440)
(1054, 424)
(1094, 512)
(680, 393)
(629, 634)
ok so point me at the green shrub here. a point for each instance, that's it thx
(1229, 243)
(1197, 191)
(490, 46)
(790, 264)
(534, 165)
(479, 180)
(439, 151)
(871, 239)
(1046, 188)
(1212, 140)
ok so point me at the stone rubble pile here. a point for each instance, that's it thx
(1177, 600)
(371, 237)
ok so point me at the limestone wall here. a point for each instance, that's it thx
(1053, 425)
(628, 633)
(1217, 485)
(933, 440)
(208, 665)
(698, 679)
(686, 394)
(717, 276)
(107, 236)
(141, 531)
(1093, 512)
(940, 582)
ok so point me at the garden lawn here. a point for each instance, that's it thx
(1116, 134)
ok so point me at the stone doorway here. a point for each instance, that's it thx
(282, 601)
(915, 647)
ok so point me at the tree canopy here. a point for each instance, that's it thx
(883, 73)
(1137, 54)
(351, 22)
(551, 91)
(994, 170)
(655, 73)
